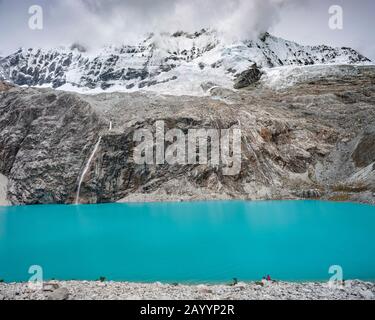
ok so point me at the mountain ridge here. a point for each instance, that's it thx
(160, 61)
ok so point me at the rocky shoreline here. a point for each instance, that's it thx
(262, 290)
(359, 198)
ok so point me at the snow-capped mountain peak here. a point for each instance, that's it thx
(178, 63)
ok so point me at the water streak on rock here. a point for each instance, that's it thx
(87, 168)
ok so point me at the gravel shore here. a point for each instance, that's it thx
(265, 290)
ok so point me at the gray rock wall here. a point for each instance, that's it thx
(3, 190)
(315, 136)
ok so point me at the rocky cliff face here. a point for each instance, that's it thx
(3, 190)
(312, 139)
(43, 136)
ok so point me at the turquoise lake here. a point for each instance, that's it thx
(189, 242)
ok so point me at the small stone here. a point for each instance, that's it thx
(59, 294)
(204, 289)
(50, 287)
(133, 298)
(164, 298)
(201, 286)
(367, 294)
(241, 285)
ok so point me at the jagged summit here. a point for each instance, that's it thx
(178, 63)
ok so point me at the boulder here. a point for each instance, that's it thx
(59, 294)
(5, 86)
(248, 77)
(364, 154)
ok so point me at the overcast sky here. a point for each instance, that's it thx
(98, 22)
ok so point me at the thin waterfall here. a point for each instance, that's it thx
(87, 167)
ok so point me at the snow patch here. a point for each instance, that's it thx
(284, 77)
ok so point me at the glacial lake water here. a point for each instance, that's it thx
(211, 242)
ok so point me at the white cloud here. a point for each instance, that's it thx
(99, 22)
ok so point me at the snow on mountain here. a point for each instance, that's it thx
(283, 77)
(179, 63)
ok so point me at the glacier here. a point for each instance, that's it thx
(177, 64)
